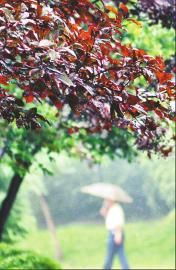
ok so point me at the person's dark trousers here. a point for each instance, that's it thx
(115, 249)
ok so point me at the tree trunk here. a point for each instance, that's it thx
(8, 202)
(50, 224)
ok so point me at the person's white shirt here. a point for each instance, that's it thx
(115, 217)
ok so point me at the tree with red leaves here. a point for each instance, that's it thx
(70, 52)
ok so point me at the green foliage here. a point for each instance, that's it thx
(11, 258)
(154, 39)
(15, 228)
(116, 143)
(20, 152)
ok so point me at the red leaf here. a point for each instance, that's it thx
(72, 130)
(125, 51)
(160, 62)
(163, 76)
(132, 100)
(39, 10)
(140, 53)
(123, 7)
(29, 98)
(84, 35)
(160, 114)
(58, 104)
(3, 79)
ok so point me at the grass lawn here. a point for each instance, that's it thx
(149, 245)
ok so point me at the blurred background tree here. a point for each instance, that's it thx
(151, 189)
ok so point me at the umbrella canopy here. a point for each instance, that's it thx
(107, 191)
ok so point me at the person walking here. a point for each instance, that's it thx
(114, 217)
(114, 221)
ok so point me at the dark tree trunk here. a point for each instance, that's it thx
(8, 202)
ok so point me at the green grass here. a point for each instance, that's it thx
(149, 245)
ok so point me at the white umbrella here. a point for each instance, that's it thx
(107, 191)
